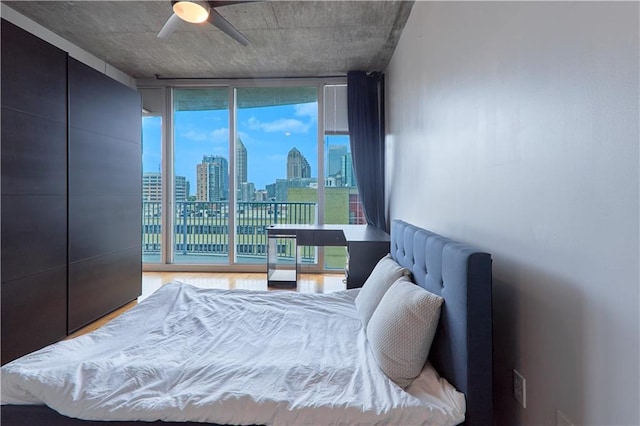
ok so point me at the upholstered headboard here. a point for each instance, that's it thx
(462, 348)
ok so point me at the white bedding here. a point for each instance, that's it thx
(230, 357)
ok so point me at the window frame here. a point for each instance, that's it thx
(168, 156)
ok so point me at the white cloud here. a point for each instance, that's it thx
(253, 123)
(307, 110)
(220, 135)
(283, 125)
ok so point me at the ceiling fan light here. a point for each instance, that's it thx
(192, 11)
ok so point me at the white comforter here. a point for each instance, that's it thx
(236, 357)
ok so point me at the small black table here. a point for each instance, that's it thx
(366, 244)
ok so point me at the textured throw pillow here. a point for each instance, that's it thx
(385, 273)
(401, 330)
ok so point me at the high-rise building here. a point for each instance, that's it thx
(181, 188)
(246, 191)
(346, 170)
(152, 187)
(241, 162)
(297, 165)
(202, 181)
(271, 189)
(212, 178)
(334, 160)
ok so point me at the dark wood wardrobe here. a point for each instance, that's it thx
(71, 194)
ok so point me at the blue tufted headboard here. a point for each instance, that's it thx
(462, 348)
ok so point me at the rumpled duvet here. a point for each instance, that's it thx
(229, 357)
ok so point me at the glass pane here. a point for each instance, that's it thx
(151, 188)
(342, 201)
(201, 164)
(276, 166)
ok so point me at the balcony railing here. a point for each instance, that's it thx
(202, 229)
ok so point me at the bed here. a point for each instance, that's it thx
(334, 379)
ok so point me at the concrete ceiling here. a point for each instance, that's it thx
(287, 38)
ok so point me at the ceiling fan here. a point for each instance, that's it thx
(202, 11)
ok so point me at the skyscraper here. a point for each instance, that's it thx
(244, 189)
(297, 165)
(346, 170)
(334, 160)
(212, 178)
(241, 162)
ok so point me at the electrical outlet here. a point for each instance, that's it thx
(520, 388)
(561, 419)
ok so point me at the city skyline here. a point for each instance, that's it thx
(212, 176)
(267, 134)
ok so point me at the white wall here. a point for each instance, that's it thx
(514, 126)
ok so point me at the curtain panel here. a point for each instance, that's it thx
(365, 105)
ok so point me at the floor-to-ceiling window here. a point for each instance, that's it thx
(238, 158)
(201, 173)
(276, 165)
(341, 199)
(151, 188)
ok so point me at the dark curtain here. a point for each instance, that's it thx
(365, 106)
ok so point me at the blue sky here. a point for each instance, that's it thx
(267, 132)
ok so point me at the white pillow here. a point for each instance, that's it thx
(401, 330)
(385, 273)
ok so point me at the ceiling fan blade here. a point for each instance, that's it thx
(218, 20)
(170, 26)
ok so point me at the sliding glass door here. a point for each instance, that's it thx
(237, 158)
(276, 165)
(201, 175)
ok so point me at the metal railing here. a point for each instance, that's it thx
(202, 228)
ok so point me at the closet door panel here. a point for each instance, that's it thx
(105, 195)
(90, 216)
(89, 279)
(34, 234)
(102, 105)
(34, 154)
(33, 312)
(34, 77)
(103, 162)
(34, 192)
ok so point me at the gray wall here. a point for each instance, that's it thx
(514, 126)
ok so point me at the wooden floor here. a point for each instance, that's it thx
(151, 281)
